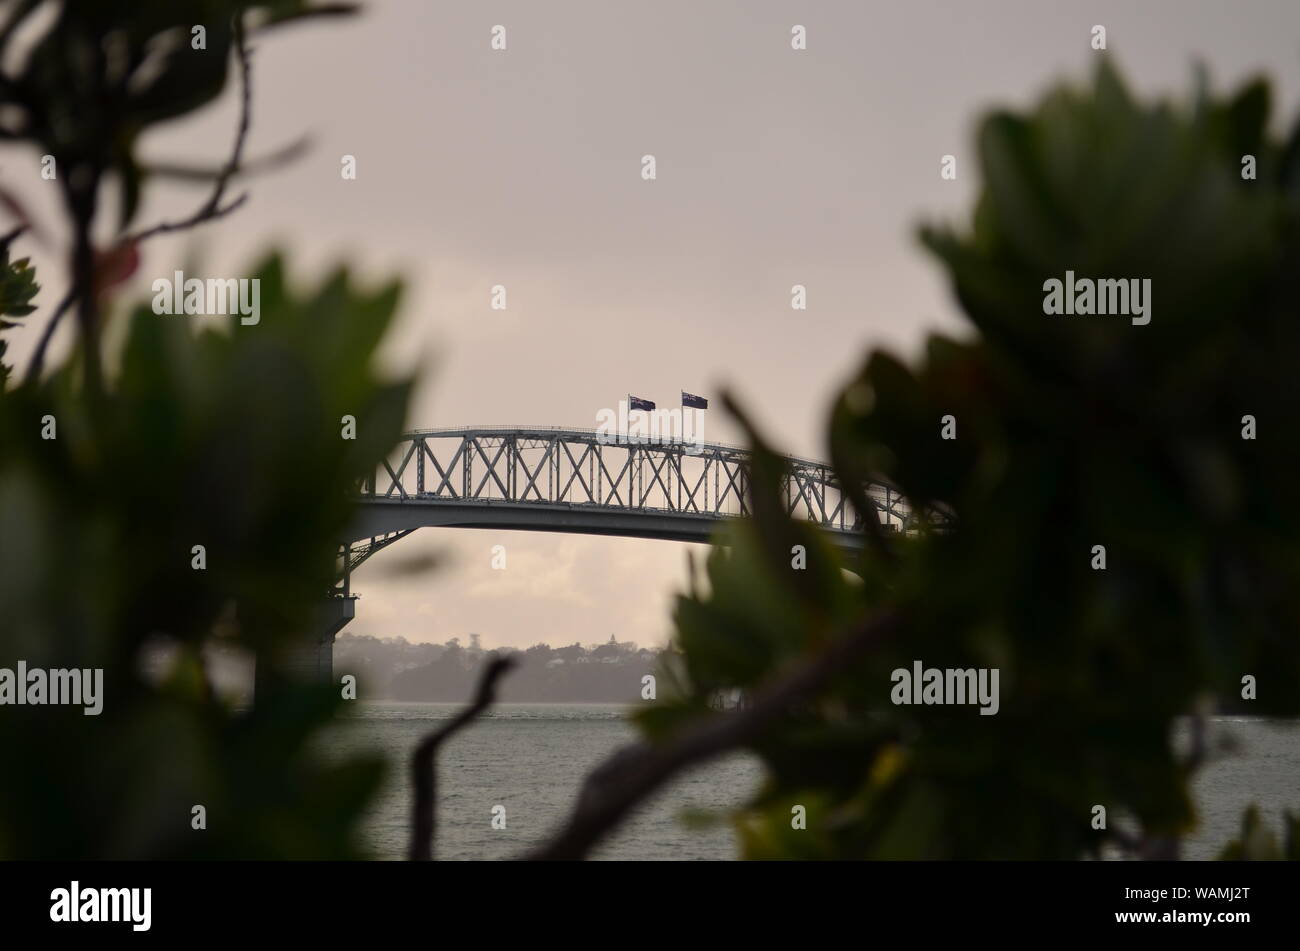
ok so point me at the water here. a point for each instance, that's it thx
(1264, 769)
(531, 759)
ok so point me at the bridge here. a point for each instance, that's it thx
(548, 479)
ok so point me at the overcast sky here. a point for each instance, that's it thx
(522, 168)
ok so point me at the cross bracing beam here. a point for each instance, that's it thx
(352, 555)
(541, 478)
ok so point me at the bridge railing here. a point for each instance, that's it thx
(612, 438)
(547, 465)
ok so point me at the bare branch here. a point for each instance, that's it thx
(424, 821)
(12, 204)
(625, 779)
(1196, 756)
(212, 209)
(38, 355)
(193, 173)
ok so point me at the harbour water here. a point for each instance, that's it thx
(531, 759)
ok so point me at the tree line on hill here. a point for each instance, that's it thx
(393, 668)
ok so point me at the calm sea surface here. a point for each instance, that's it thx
(531, 759)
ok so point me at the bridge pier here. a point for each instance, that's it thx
(310, 659)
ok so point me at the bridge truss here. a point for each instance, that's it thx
(548, 479)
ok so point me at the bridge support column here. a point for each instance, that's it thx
(313, 659)
(310, 659)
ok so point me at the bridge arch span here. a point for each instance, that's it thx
(536, 478)
(549, 479)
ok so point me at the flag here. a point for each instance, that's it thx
(692, 401)
(635, 402)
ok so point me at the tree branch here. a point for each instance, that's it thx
(615, 787)
(212, 209)
(1199, 751)
(194, 173)
(424, 820)
(38, 356)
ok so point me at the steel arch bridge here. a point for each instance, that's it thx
(541, 478)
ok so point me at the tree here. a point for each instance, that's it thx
(1071, 432)
(200, 439)
(17, 289)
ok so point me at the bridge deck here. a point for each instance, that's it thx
(576, 480)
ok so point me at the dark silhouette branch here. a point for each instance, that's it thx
(424, 821)
(213, 209)
(38, 355)
(619, 784)
(1199, 751)
(81, 196)
(194, 173)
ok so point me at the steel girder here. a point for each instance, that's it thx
(610, 481)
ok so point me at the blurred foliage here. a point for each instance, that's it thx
(230, 439)
(17, 288)
(1258, 844)
(1071, 432)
